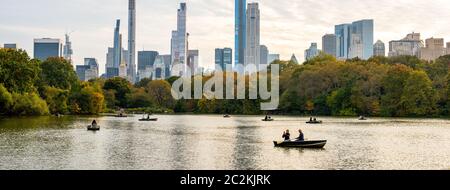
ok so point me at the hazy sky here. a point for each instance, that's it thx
(287, 26)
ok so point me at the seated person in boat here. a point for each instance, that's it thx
(286, 135)
(94, 123)
(266, 118)
(301, 137)
(310, 119)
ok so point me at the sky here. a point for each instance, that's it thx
(287, 26)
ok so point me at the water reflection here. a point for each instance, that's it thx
(212, 142)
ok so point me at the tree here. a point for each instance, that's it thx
(419, 98)
(393, 86)
(28, 104)
(160, 93)
(122, 90)
(17, 72)
(56, 99)
(59, 73)
(88, 101)
(139, 99)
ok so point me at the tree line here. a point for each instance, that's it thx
(380, 86)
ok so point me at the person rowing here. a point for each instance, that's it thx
(301, 136)
(286, 135)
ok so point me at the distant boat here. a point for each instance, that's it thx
(121, 115)
(226, 116)
(93, 128)
(314, 122)
(148, 119)
(362, 118)
(268, 119)
(301, 144)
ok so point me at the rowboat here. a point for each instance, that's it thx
(314, 122)
(301, 144)
(226, 116)
(151, 119)
(269, 119)
(93, 128)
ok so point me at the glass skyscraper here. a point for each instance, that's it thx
(223, 58)
(240, 32)
(46, 47)
(355, 40)
(329, 44)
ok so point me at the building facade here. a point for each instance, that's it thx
(146, 61)
(264, 53)
(192, 62)
(10, 46)
(89, 70)
(311, 52)
(252, 45)
(272, 57)
(240, 32)
(224, 58)
(410, 45)
(379, 49)
(342, 33)
(434, 48)
(329, 44)
(47, 47)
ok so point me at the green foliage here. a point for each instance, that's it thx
(89, 100)
(59, 73)
(122, 90)
(160, 93)
(28, 104)
(138, 98)
(56, 99)
(17, 72)
(6, 100)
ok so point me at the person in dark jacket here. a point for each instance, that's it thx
(94, 123)
(301, 136)
(286, 135)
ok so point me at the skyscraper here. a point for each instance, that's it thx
(131, 67)
(264, 53)
(361, 38)
(193, 61)
(355, 40)
(379, 49)
(68, 52)
(117, 55)
(240, 32)
(223, 58)
(409, 45)
(311, 52)
(329, 44)
(179, 48)
(434, 48)
(89, 70)
(146, 61)
(47, 47)
(252, 45)
(10, 46)
(273, 57)
(342, 33)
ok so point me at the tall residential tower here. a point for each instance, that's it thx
(240, 32)
(252, 45)
(131, 69)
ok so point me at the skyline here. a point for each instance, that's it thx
(286, 27)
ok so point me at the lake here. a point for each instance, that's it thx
(211, 142)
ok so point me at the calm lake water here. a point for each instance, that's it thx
(213, 142)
